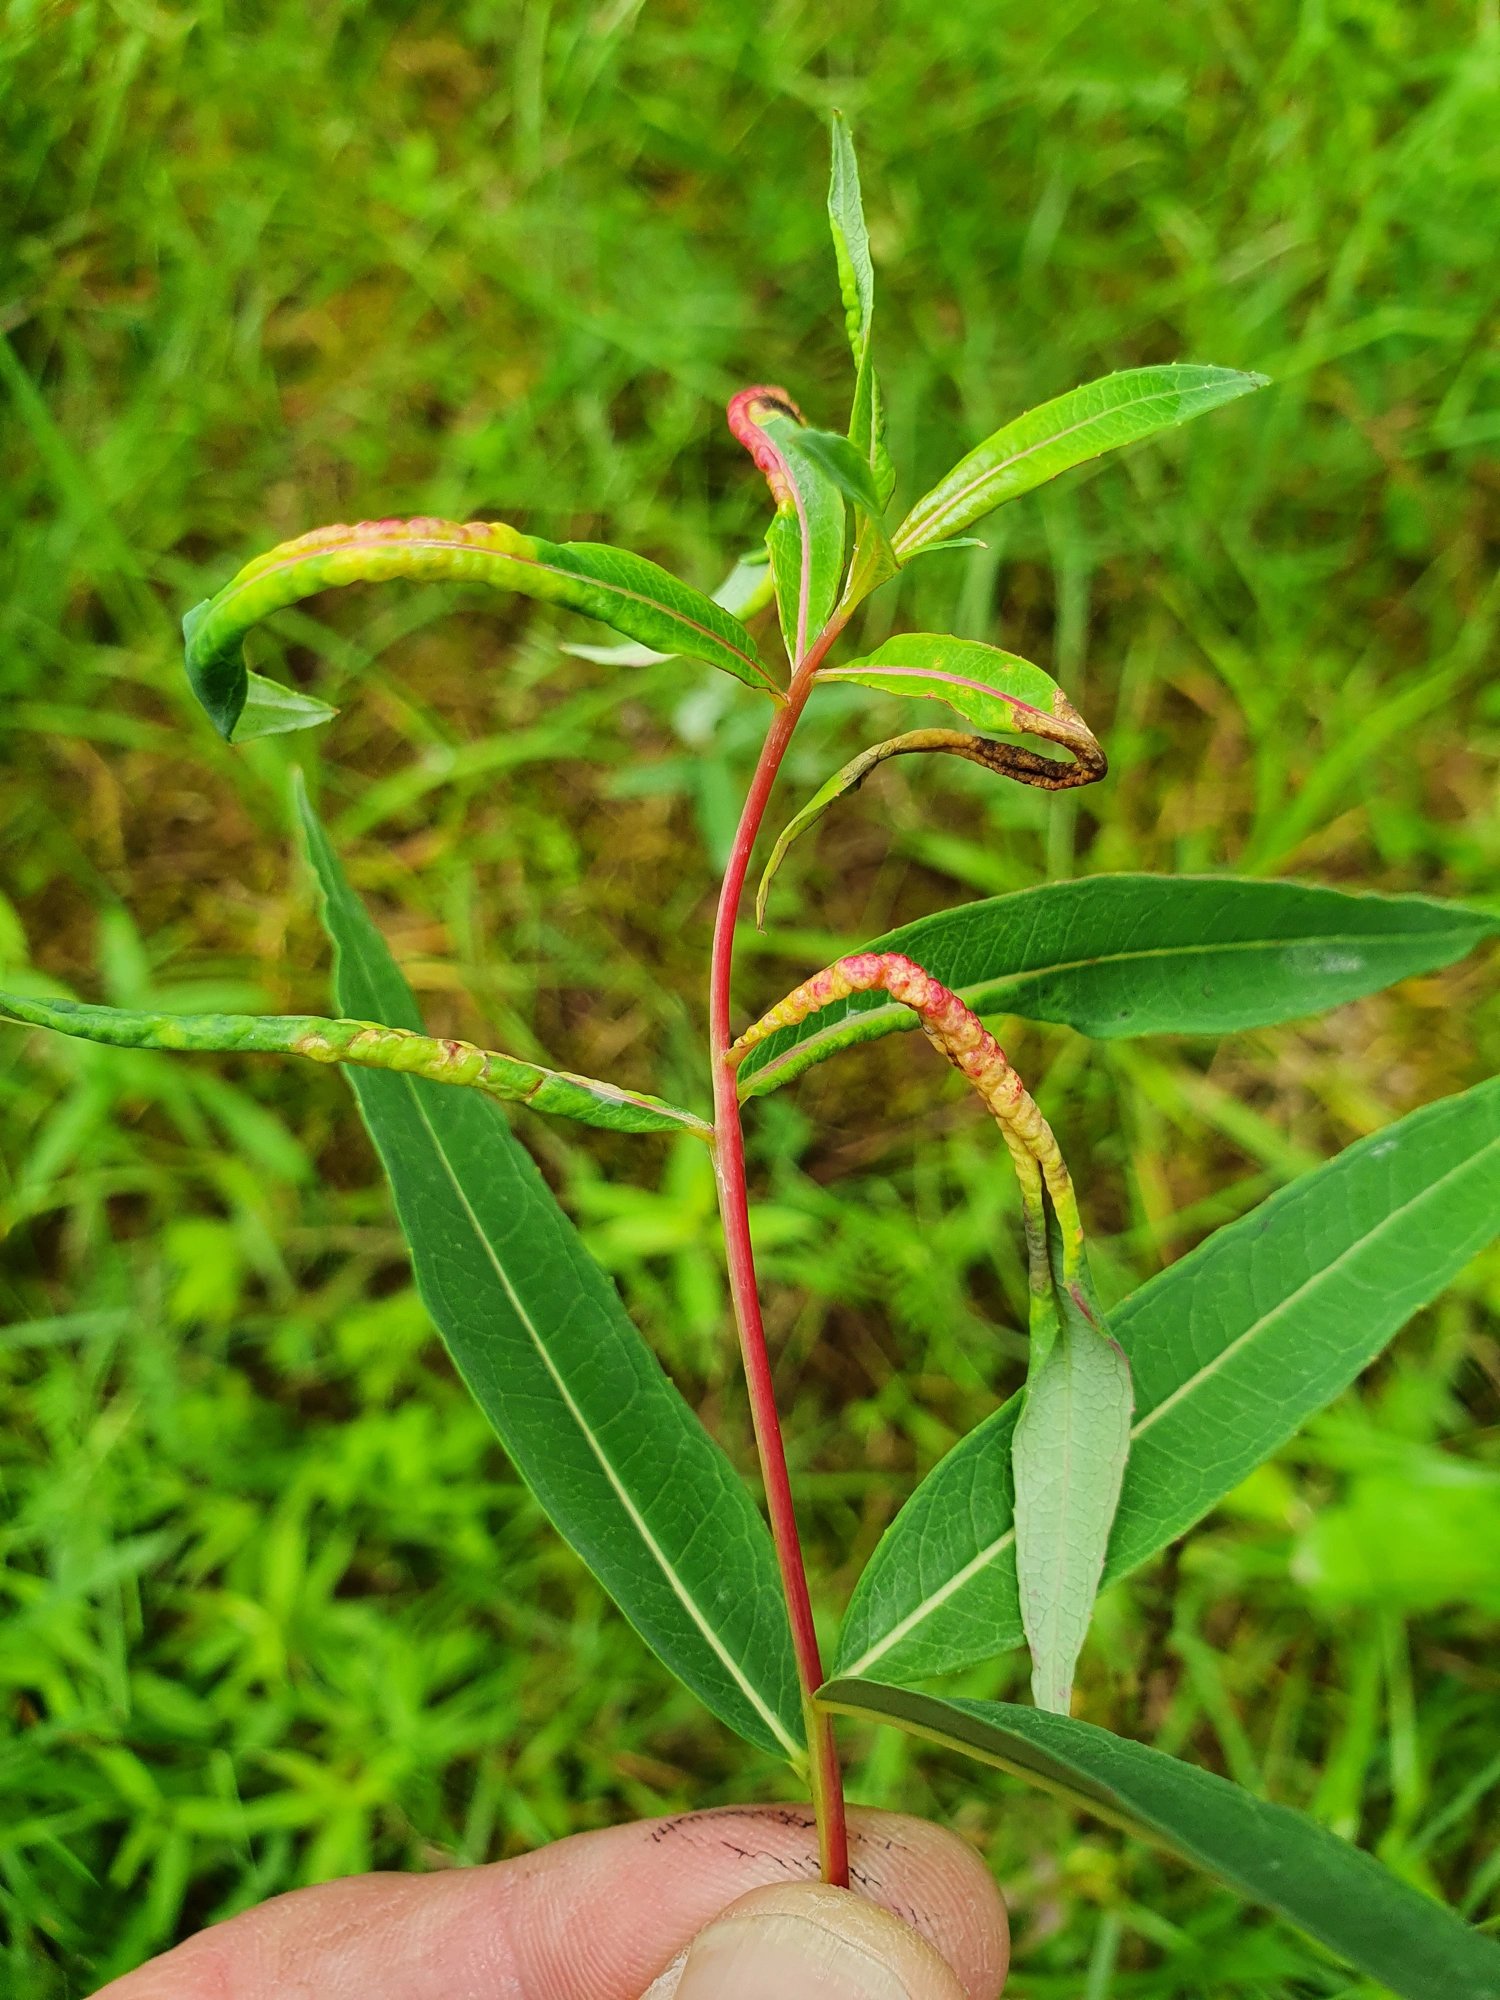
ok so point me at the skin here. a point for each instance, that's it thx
(596, 1917)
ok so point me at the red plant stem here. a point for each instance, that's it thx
(729, 1166)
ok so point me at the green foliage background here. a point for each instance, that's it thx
(275, 1608)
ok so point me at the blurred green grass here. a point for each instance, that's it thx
(275, 1606)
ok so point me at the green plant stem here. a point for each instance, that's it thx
(729, 1166)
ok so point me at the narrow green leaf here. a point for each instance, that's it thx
(841, 461)
(620, 589)
(273, 710)
(1117, 955)
(990, 688)
(1116, 410)
(807, 581)
(620, 1463)
(851, 249)
(1068, 1456)
(1268, 1853)
(748, 588)
(368, 1045)
(1230, 1350)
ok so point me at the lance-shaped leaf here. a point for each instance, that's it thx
(620, 589)
(1102, 416)
(851, 249)
(748, 588)
(1068, 1454)
(273, 710)
(1230, 1350)
(988, 687)
(1117, 955)
(368, 1045)
(1009, 760)
(1268, 1853)
(805, 540)
(625, 1470)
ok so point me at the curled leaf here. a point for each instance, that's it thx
(806, 539)
(367, 1045)
(618, 588)
(1009, 759)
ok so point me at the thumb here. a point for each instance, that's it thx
(807, 1941)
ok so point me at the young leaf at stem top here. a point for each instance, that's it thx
(806, 538)
(873, 559)
(612, 585)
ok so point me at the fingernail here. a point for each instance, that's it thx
(806, 1941)
(783, 1957)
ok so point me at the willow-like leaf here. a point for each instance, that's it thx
(614, 586)
(851, 249)
(1010, 760)
(1231, 1349)
(1118, 955)
(748, 588)
(619, 1462)
(1101, 416)
(367, 1045)
(990, 688)
(1404, 1939)
(1068, 1456)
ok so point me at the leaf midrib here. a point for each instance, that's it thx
(684, 1595)
(994, 1549)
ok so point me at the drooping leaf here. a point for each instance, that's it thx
(620, 589)
(368, 1045)
(1068, 1456)
(990, 688)
(1230, 1350)
(1268, 1853)
(1117, 955)
(841, 461)
(1102, 416)
(273, 710)
(620, 1463)
(1007, 759)
(748, 588)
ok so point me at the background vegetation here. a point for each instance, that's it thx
(275, 1607)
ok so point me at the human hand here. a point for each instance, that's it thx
(719, 1905)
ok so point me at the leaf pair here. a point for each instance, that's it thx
(619, 589)
(1230, 1350)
